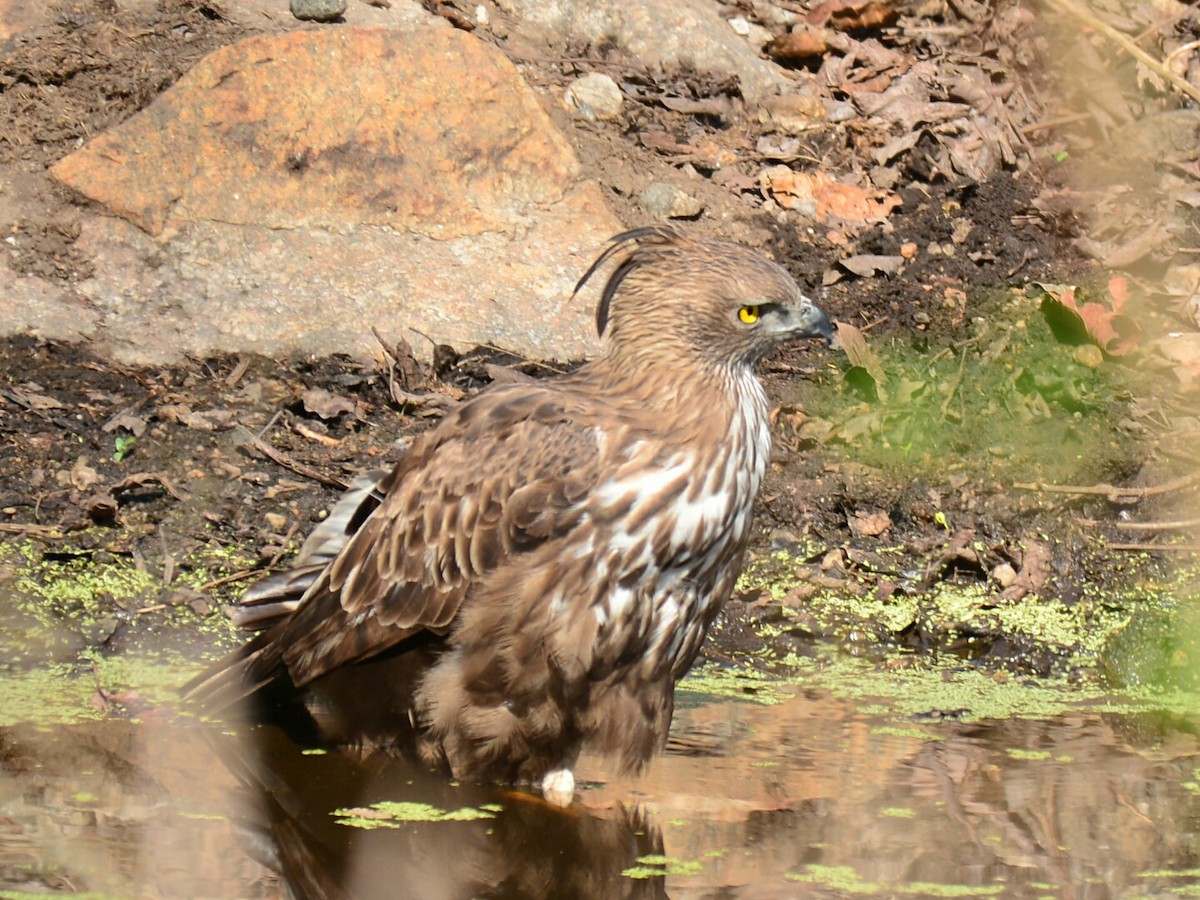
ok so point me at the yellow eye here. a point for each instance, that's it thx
(748, 314)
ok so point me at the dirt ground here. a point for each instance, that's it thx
(204, 474)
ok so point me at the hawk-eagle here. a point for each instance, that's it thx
(543, 566)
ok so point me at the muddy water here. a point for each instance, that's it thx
(809, 795)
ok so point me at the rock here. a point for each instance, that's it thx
(594, 96)
(335, 128)
(795, 112)
(665, 201)
(296, 190)
(757, 36)
(17, 16)
(661, 33)
(1088, 355)
(1004, 575)
(318, 10)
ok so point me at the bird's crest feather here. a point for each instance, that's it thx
(635, 247)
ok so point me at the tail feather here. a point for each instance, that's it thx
(239, 675)
(271, 602)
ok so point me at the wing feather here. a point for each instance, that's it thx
(500, 479)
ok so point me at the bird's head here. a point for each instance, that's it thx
(671, 294)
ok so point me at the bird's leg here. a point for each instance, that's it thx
(558, 787)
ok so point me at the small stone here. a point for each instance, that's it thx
(276, 521)
(740, 24)
(1089, 355)
(594, 96)
(794, 113)
(318, 10)
(758, 36)
(1004, 575)
(665, 201)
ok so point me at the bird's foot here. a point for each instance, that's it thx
(558, 787)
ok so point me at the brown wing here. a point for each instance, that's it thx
(502, 476)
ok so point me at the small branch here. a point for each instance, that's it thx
(228, 579)
(1177, 525)
(1165, 548)
(1107, 490)
(282, 459)
(1154, 65)
(41, 532)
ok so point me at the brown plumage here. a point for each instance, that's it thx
(547, 561)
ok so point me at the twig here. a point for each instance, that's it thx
(1154, 65)
(228, 579)
(239, 370)
(283, 546)
(1166, 548)
(282, 459)
(42, 532)
(1054, 123)
(1108, 490)
(1159, 526)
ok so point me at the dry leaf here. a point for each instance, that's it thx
(868, 264)
(869, 524)
(326, 404)
(825, 199)
(854, 343)
(1114, 333)
(854, 15)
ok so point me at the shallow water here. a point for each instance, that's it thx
(812, 794)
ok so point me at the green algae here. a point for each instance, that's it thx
(1080, 632)
(656, 865)
(46, 696)
(927, 689)
(79, 590)
(1021, 753)
(711, 681)
(70, 692)
(61, 612)
(395, 814)
(1160, 647)
(847, 880)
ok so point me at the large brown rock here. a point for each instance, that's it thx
(295, 190)
(430, 131)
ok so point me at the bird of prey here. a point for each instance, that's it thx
(545, 563)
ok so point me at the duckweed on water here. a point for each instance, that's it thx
(847, 880)
(656, 866)
(80, 586)
(392, 814)
(64, 692)
(712, 681)
(929, 689)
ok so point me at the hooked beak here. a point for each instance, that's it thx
(811, 321)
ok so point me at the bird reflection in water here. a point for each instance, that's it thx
(524, 847)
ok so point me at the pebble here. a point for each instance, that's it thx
(665, 201)
(1004, 575)
(318, 10)
(1089, 355)
(594, 96)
